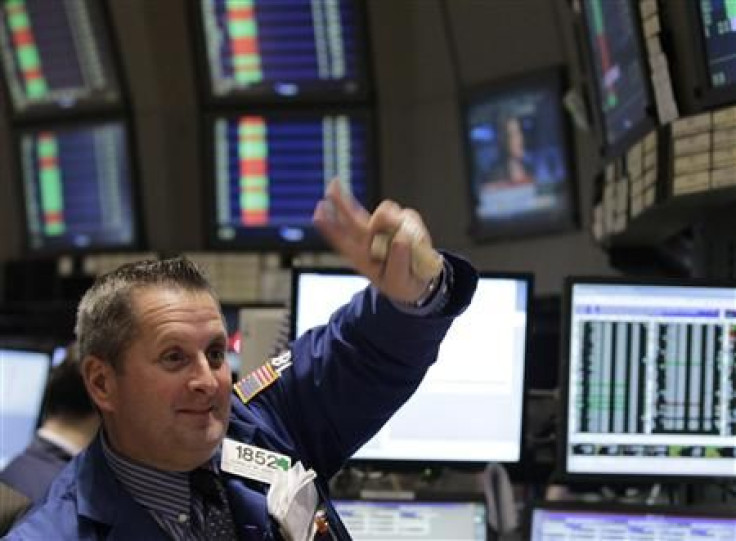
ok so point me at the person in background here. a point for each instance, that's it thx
(70, 421)
(184, 454)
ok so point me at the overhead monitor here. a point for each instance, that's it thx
(416, 520)
(578, 520)
(78, 187)
(622, 89)
(57, 56)
(518, 146)
(290, 50)
(23, 375)
(648, 387)
(269, 170)
(480, 370)
(716, 26)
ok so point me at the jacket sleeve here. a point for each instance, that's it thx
(348, 377)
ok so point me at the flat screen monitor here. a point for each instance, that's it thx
(78, 188)
(453, 418)
(518, 147)
(23, 375)
(270, 170)
(57, 56)
(578, 521)
(287, 50)
(716, 25)
(648, 383)
(425, 520)
(622, 90)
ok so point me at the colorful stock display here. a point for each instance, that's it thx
(77, 188)
(622, 90)
(55, 55)
(289, 48)
(271, 171)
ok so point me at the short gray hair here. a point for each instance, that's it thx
(106, 323)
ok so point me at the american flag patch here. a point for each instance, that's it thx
(255, 382)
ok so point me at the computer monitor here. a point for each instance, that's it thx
(620, 78)
(518, 148)
(453, 418)
(23, 375)
(577, 521)
(715, 26)
(293, 50)
(57, 56)
(647, 384)
(269, 170)
(78, 187)
(416, 520)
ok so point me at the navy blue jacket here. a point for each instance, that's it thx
(346, 380)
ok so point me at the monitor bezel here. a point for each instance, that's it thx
(41, 112)
(707, 96)
(609, 150)
(313, 240)
(484, 230)
(627, 478)
(312, 96)
(418, 465)
(138, 241)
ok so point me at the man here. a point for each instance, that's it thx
(153, 343)
(70, 421)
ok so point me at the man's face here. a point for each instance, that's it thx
(170, 403)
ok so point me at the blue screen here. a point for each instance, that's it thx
(271, 171)
(56, 55)
(286, 49)
(77, 188)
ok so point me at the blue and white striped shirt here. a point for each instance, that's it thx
(166, 495)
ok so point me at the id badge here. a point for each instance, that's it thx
(252, 462)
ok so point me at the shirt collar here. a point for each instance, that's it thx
(160, 491)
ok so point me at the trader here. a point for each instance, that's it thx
(174, 459)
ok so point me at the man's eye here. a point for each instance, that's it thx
(216, 356)
(174, 358)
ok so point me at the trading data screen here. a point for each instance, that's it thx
(718, 26)
(618, 67)
(56, 55)
(413, 520)
(77, 188)
(643, 524)
(23, 376)
(270, 172)
(284, 49)
(478, 374)
(521, 180)
(651, 387)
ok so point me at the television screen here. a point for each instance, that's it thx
(579, 520)
(57, 55)
(78, 187)
(420, 520)
(622, 90)
(648, 379)
(518, 144)
(717, 27)
(490, 338)
(270, 170)
(23, 375)
(284, 50)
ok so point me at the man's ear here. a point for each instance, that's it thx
(101, 382)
